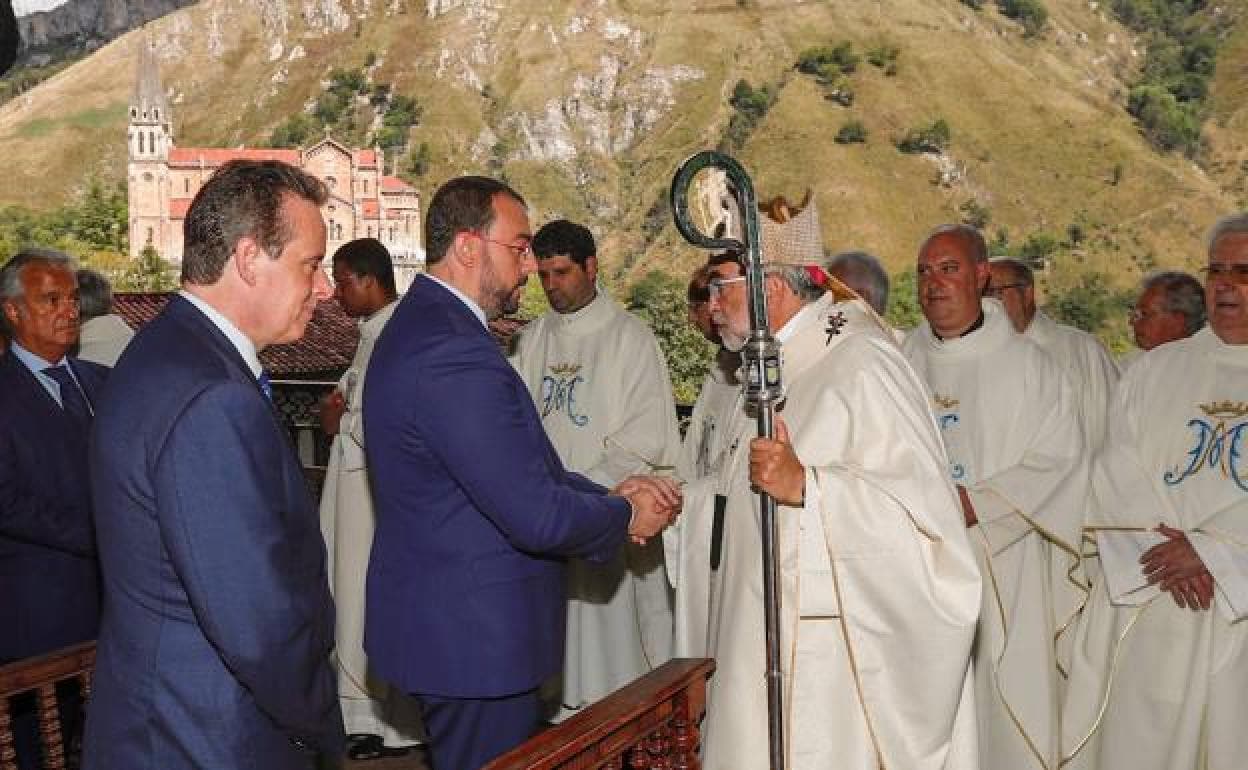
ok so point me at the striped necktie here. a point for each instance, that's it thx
(73, 401)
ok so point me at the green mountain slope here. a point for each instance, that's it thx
(589, 105)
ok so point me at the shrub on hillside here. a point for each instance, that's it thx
(827, 61)
(933, 137)
(852, 132)
(975, 214)
(884, 56)
(1166, 122)
(975, 4)
(1030, 13)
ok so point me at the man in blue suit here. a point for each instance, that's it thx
(217, 628)
(49, 589)
(475, 512)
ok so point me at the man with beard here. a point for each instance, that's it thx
(1081, 356)
(1016, 454)
(687, 543)
(476, 514)
(601, 385)
(1161, 653)
(879, 588)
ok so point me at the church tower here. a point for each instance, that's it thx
(150, 135)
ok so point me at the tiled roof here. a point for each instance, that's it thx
(218, 156)
(366, 158)
(324, 352)
(394, 184)
(370, 208)
(178, 207)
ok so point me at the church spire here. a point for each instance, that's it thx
(149, 104)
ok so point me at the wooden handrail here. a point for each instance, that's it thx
(40, 675)
(652, 722)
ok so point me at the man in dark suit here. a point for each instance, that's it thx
(217, 628)
(475, 512)
(49, 590)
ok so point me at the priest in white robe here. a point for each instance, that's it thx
(880, 592)
(1159, 680)
(601, 386)
(379, 721)
(1085, 360)
(1170, 306)
(1009, 424)
(687, 542)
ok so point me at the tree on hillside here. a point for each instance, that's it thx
(149, 272)
(659, 300)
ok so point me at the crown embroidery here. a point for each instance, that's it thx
(945, 402)
(565, 370)
(1225, 409)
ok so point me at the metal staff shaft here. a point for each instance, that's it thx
(763, 390)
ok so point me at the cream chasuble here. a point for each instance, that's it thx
(1153, 686)
(880, 592)
(601, 385)
(1009, 423)
(347, 522)
(1092, 372)
(687, 542)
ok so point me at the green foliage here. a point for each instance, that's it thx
(933, 137)
(750, 105)
(295, 132)
(418, 162)
(825, 62)
(904, 311)
(659, 300)
(1168, 123)
(1089, 303)
(852, 132)
(1038, 248)
(974, 4)
(338, 110)
(147, 273)
(884, 56)
(975, 214)
(1030, 13)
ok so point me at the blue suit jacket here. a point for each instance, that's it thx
(49, 589)
(475, 512)
(217, 627)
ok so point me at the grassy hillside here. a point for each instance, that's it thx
(588, 108)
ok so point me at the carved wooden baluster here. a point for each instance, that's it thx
(661, 748)
(639, 757)
(50, 728)
(685, 744)
(8, 755)
(614, 763)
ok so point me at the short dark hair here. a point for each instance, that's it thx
(464, 204)
(95, 294)
(368, 257)
(977, 247)
(242, 199)
(699, 285)
(564, 238)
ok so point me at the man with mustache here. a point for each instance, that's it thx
(1161, 653)
(879, 588)
(218, 624)
(476, 514)
(600, 383)
(1016, 454)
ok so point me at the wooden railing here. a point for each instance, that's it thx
(40, 676)
(651, 723)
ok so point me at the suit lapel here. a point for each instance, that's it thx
(22, 379)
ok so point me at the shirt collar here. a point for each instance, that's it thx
(33, 362)
(464, 298)
(246, 348)
(796, 322)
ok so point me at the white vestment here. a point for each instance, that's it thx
(1153, 686)
(102, 339)
(347, 523)
(602, 388)
(880, 592)
(687, 542)
(1009, 423)
(1092, 371)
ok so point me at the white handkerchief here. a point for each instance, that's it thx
(1120, 561)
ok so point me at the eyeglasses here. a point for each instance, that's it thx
(1236, 274)
(522, 251)
(716, 285)
(996, 291)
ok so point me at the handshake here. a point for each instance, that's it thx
(656, 502)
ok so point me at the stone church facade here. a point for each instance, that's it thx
(163, 178)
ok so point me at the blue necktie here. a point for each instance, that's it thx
(266, 385)
(72, 398)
